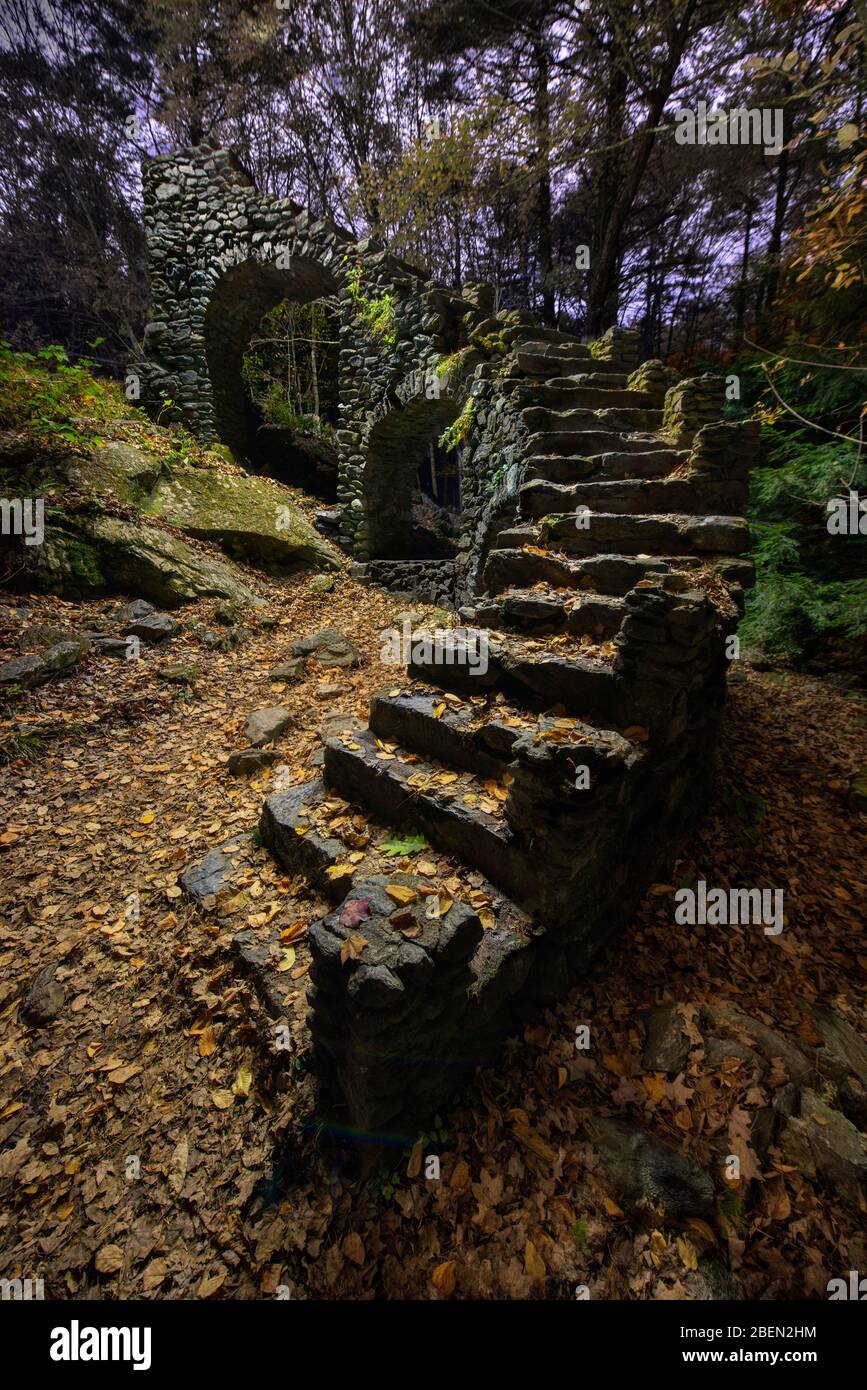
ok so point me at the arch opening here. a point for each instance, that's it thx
(243, 296)
(412, 486)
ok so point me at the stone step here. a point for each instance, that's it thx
(447, 730)
(578, 415)
(601, 574)
(646, 535)
(536, 676)
(587, 443)
(581, 395)
(559, 468)
(513, 537)
(636, 496)
(409, 794)
(595, 615)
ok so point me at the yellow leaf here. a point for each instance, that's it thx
(534, 1265)
(222, 1098)
(147, 818)
(207, 1042)
(443, 1277)
(440, 709)
(339, 871)
(687, 1252)
(401, 894)
(288, 959)
(352, 947)
(243, 1081)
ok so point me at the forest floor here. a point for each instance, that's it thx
(151, 1145)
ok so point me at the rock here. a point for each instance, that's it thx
(328, 521)
(329, 647)
(288, 672)
(132, 612)
(249, 760)
(39, 667)
(265, 725)
(667, 1046)
(329, 692)
(214, 873)
(764, 1039)
(716, 1050)
(338, 724)
(322, 584)
(709, 1282)
(822, 1143)
(248, 516)
(112, 646)
(97, 554)
(842, 1058)
(178, 674)
(41, 635)
(126, 470)
(44, 999)
(641, 1169)
(155, 628)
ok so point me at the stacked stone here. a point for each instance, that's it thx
(653, 378)
(689, 405)
(671, 645)
(428, 581)
(390, 996)
(619, 346)
(727, 449)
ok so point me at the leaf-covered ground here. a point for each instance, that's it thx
(153, 1143)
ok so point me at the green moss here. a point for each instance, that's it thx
(83, 563)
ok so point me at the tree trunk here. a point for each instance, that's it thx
(603, 273)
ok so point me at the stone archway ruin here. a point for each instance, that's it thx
(240, 298)
(220, 254)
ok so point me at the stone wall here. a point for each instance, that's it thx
(220, 255)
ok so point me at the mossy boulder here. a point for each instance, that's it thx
(129, 472)
(99, 554)
(249, 517)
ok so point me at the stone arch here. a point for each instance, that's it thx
(239, 298)
(395, 445)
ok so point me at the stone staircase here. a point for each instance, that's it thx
(563, 775)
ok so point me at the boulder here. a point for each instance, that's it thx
(265, 725)
(249, 517)
(842, 1059)
(99, 554)
(126, 470)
